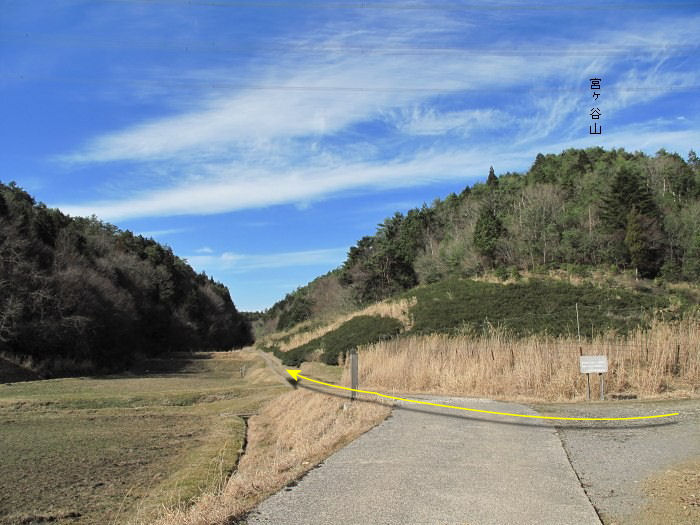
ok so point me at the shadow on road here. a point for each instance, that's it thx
(436, 411)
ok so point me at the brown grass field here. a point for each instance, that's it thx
(108, 450)
(661, 362)
(290, 436)
(164, 447)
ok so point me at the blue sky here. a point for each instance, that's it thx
(262, 139)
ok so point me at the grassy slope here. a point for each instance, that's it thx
(537, 306)
(359, 330)
(107, 448)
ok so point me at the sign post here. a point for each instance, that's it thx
(353, 373)
(592, 364)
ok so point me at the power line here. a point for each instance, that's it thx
(402, 6)
(171, 82)
(292, 48)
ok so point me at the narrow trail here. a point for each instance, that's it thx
(275, 366)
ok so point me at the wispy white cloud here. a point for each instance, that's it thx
(326, 93)
(318, 99)
(287, 133)
(235, 189)
(429, 121)
(237, 262)
(204, 249)
(163, 233)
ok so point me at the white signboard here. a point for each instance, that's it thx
(593, 364)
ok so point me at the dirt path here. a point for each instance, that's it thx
(438, 467)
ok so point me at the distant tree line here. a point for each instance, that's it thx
(81, 292)
(573, 210)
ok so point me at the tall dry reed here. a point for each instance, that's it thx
(661, 361)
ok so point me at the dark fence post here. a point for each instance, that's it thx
(353, 372)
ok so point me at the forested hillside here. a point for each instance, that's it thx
(576, 210)
(78, 294)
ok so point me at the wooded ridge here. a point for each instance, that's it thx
(79, 295)
(577, 210)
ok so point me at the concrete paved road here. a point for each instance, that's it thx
(436, 466)
(613, 459)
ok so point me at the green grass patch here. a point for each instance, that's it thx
(534, 307)
(360, 330)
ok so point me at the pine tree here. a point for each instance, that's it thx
(487, 232)
(644, 242)
(492, 180)
(693, 159)
(537, 169)
(627, 191)
(691, 259)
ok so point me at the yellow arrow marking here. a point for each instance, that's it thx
(296, 375)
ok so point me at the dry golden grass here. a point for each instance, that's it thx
(661, 362)
(322, 371)
(290, 435)
(390, 308)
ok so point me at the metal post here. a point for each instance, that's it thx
(677, 361)
(588, 380)
(578, 326)
(602, 387)
(353, 372)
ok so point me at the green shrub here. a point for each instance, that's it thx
(540, 269)
(501, 273)
(579, 270)
(515, 274)
(360, 330)
(538, 306)
(269, 348)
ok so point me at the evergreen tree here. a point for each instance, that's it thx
(691, 261)
(545, 168)
(487, 232)
(693, 160)
(694, 164)
(492, 180)
(627, 191)
(298, 310)
(537, 169)
(644, 242)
